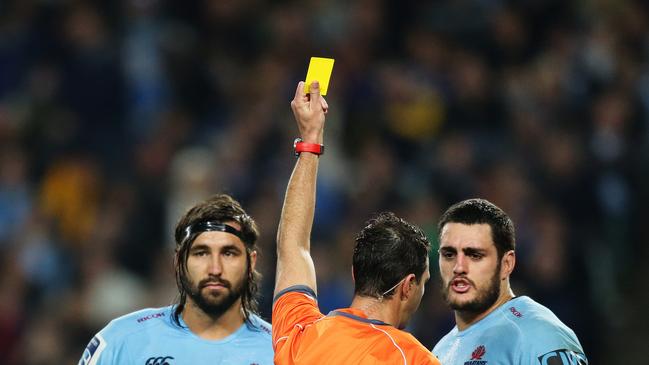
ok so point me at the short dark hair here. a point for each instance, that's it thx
(218, 208)
(387, 249)
(482, 211)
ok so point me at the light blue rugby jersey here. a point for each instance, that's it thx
(520, 331)
(151, 337)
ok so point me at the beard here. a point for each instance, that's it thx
(208, 301)
(484, 299)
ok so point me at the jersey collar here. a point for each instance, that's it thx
(356, 315)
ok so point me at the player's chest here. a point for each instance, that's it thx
(477, 350)
(189, 351)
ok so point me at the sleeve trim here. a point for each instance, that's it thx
(298, 289)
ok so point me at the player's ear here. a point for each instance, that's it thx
(353, 279)
(507, 264)
(253, 260)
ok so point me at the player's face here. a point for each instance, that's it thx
(469, 267)
(217, 271)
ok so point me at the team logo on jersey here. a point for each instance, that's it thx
(150, 316)
(563, 357)
(476, 356)
(515, 312)
(159, 360)
(478, 353)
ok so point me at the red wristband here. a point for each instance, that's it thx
(299, 147)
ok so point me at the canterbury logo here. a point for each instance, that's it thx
(162, 360)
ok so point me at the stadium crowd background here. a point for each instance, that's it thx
(115, 116)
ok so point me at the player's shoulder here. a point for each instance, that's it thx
(539, 327)
(445, 340)
(259, 327)
(533, 317)
(109, 344)
(544, 335)
(136, 322)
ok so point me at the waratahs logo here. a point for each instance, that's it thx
(478, 353)
(476, 356)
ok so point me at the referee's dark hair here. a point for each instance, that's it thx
(387, 250)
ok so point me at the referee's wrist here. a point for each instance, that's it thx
(312, 136)
(300, 147)
(314, 140)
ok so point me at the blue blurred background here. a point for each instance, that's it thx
(116, 116)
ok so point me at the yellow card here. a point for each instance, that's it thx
(319, 70)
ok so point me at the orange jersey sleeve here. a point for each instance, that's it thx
(293, 308)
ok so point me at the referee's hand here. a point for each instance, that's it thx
(309, 111)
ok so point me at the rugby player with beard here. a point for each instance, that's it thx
(214, 321)
(493, 326)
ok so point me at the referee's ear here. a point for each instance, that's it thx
(407, 288)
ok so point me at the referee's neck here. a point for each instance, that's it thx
(379, 309)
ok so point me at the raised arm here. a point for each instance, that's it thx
(294, 262)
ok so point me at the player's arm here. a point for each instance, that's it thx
(294, 262)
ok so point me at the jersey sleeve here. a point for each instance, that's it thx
(560, 357)
(100, 352)
(295, 306)
(108, 347)
(552, 345)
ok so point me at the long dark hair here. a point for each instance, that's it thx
(218, 208)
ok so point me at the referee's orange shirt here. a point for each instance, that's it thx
(303, 335)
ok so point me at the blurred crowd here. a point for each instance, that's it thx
(116, 116)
